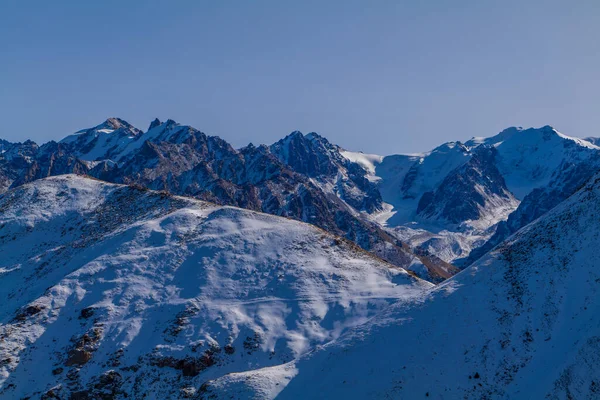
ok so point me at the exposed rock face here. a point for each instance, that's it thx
(312, 155)
(15, 160)
(469, 191)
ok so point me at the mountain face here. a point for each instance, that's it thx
(457, 203)
(470, 191)
(112, 291)
(404, 179)
(525, 159)
(529, 158)
(15, 159)
(522, 322)
(107, 141)
(313, 156)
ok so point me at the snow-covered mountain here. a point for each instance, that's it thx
(111, 291)
(302, 177)
(459, 201)
(525, 159)
(473, 193)
(419, 211)
(110, 140)
(522, 323)
(124, 289)
(312, 155)
(568, 174)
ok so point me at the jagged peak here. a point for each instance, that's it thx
(114, 123)
(309, 137)
(252, 149)
(449, 146)
(249, 147)
(314, 135)
(156, 122)
(295, 135)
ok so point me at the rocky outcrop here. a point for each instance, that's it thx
(469, 192)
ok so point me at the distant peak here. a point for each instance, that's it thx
(115, 123)
(295, 136)
(314, 135)
(519, 129)
(547, 128)
(450, 146)
(154, 123)
(512, 129)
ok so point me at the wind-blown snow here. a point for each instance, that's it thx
(367, 161)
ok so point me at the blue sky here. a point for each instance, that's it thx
(378, 76)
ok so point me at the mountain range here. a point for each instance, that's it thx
(167, 264)
(433, 213)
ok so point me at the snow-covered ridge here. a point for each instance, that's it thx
(523, 322)
(119, 290)
(527, 159)
(363, 197)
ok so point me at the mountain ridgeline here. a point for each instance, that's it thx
(474, 194)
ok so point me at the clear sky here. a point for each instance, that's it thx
(377, 76)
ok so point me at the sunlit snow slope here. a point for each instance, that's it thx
(108, 291)
(521, 323)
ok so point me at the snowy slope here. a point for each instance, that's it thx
(593, 140)
(366, 161)
(461, 201)
(529, 157)
(106, 141)
(403, 179)
(523, 322)
(109, 290)
(474, 195)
